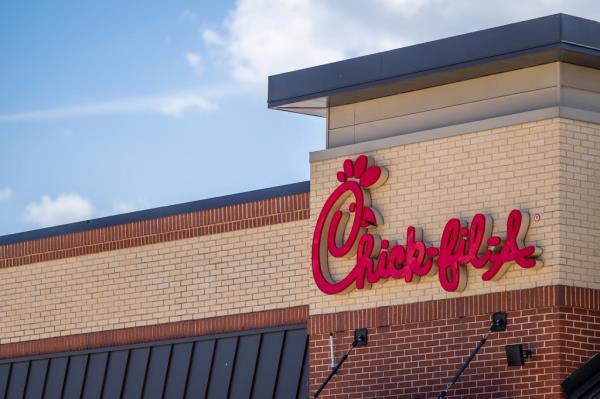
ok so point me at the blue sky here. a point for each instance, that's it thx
(119, 156)
(114, 106)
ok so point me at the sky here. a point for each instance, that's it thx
(109, 107)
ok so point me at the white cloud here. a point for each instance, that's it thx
(65, 208)
(170, 105)
(404, 7)
(264, 37)
(175, 106)
(211, 37)
(194, 60)
(6, 193)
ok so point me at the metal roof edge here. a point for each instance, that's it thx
(155, 213)
(545, 36)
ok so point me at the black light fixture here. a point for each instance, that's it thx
(360, 337)
(499, 320)
(516, 355)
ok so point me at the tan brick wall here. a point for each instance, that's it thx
(580, 204)
(237, 272)
(491, 172)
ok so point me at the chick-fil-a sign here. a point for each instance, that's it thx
(348, 233)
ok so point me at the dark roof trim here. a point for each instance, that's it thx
(155, 213)
(584, 382)
(538, 41)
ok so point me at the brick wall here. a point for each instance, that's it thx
(415, 349)
(226, 267)
(579, 190)
(525, 166)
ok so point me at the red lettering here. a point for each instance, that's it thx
(344, 233)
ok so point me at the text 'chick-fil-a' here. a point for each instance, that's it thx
(349, 233)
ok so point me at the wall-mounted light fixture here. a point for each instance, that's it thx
(361, 337)
(516, 355)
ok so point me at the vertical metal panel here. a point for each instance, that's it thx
(4, 376)
(56, 378)
(303, 388)
(157, 372)
(136, 373)
(290, 369)
(115, 374)
(37, 379)
(262, 364)
(200, 369)
(178, 370)
(245, 365)
(268, 365)
(222, 368)
(75, 376)
(18, 380)
(94, 378)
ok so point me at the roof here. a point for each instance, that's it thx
(558, 37)
(264, 363)
(584, 382)
(155, 213)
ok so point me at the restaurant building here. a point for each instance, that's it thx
(460, 178)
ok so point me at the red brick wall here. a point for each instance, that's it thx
(414, 350)
(579, 337)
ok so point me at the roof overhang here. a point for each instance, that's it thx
(525, 44)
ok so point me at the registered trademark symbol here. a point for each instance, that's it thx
(537, 217)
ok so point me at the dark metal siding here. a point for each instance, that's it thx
(37, 379)
(178, 370)
(268, 363)
(56, 378)
(94, 379)
(584, 383)
(245, 366)
(115, 374)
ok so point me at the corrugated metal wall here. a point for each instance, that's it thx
(270, 363)
(584, 383)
